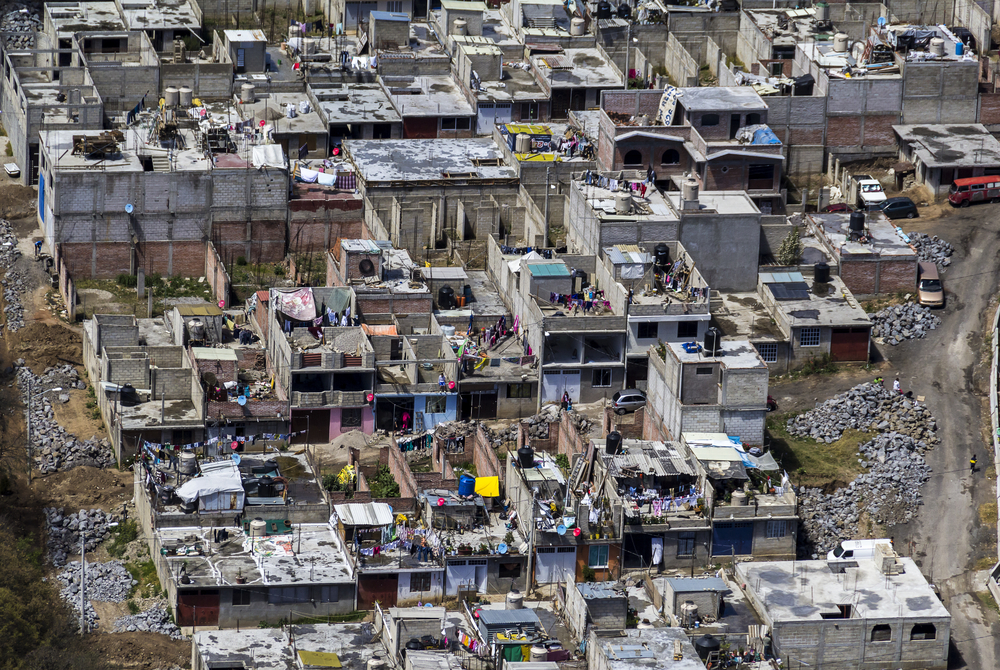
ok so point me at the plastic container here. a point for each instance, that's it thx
(466, 485)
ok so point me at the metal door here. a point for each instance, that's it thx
(381, 588)
(555, 564)
(849, 344)
(458, 575)
(485, 118)
(732, 538)
(556, 382)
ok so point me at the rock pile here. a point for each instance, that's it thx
(932, 248)
(18, 18)
(155, 620)
(867, 407)
(106, 582)
(63, 532)
(53, 448)
(13, 282)
(903, 322)
(889, 493)
(538, 425)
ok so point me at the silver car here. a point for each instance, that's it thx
(628, 400)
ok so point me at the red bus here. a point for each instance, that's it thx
(974, 189)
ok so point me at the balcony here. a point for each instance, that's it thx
(302, 399)
(330, 360)
(774, 504)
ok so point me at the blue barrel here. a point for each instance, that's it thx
(466, 485)
(959, 48)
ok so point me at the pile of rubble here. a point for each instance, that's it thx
(889, 494)
(538, 425)
(13, 282)
(155, 620)
(63, 532)
(867, 407)
(932, 248)
(18, 18)
(106, 582)
(53, 448)
(903, 322)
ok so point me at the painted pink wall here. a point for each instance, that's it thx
(367, 422)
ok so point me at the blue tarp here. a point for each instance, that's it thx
(765, 136)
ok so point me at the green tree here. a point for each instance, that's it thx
(791, 248)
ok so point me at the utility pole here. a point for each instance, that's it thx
(545, 227)
(83, 583)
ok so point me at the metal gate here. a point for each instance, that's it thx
(198, 608)
(849, 344)
(732, 538)
(490, 114)
(381, 588)
(555, 382)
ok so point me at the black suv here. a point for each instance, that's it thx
(899, 208)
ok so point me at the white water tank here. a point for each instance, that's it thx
(577, 26)
(937, 46)
(186, 96)
(522, 144)
(294, 31)
(539, 654)
(688, 614)
(822, 11)
(248, 93)
(623, 203)
(308, 46)
(171, 97)
(290, 111)
(689, 193)
(188, 464)
(739, 499)
(304, 107)
(515, 600)
(258, 528)
(375, 663)
(196, 329)
(461, 27)
(840, 42)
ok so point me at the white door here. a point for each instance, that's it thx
(571, 382)
(459, 575)
(552, 386)
(484, 120)
(502, 113)
(555, 564)
(479, 564)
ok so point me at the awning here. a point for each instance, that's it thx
(219, 477)
(364, 514)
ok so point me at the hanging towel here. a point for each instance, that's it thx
(307, 175)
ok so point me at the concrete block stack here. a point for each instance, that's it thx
(155, 620)
(908, 321)
(63, 532)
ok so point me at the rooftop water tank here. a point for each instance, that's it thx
(937, 46)
(526, 457)
(577, 26)
(604, 10)
(515, 600)
(840, 42)
(821, 273)
(196, 329)
(461, 27)
(705, 645)
(466, 485)
(689, 193)
(539, 654)
(171, 97)
(688, 614)
(186, 96)
(522, 143)
(623, 203)
(446, 297)
(375, 663)
(613, 443)
(265, 487)
(258, 528)
(188, 463)
(248, 93)
(661, 253)
(713, 342)
(857, 222)
(822, 11)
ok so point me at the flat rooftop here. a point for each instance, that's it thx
(427, 95)
(723, 202)
(650, 648)
(946, 146)
(308, 123)
(160, 15)
(73, 17)
(357, 103)
(736, 354)
(804, 302)
(304, 554)
(651, 207)
(721, 99)
(806, 590)
(168, 413)
(578, 68)
(883, 238)
(59, 145)
(268, 648)
(743, 315)
(515, 85)
(408, 161)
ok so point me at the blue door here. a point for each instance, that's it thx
(41, 199)
(731, 538)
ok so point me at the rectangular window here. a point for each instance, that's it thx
(529, 111)
(350, 417)
(685, 544)
(447, 124)
(288, 594)
(329, 594)
(703, 371)
(394, 6)
(420, 581)
(508, 570)
(776, 529)
(601, 377)
(687, 329)
(808, 337)
(461, 123)
(241, 596)
(518, 390)
(768, 351)
(437, 404)
(760, 177)
(598, 556)
(648, 331)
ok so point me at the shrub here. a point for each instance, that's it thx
(127, 280)
(241, 260)
(384, 485)
(128, 531)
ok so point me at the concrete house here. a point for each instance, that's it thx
(407, 383)
(882, 613)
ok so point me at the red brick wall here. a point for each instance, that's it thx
(224, 371)
(317, 221)
(878, 130)
(843, 131)
(891, 276)
(652, 427)
(859, 276)
(989, 108)
(897, 276)
(394, 304)
(255, 408)
(652, 154)
(216, 275)
(487, 463)
(731, 180)
(401, 471)
(805, 136)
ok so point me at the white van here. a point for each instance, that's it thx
(855, 550)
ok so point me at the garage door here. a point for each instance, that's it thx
(381, 588)
(555, 564)
(478, 405)
(198, 608)
(849, 344)
(554, 383)
(732, 538)
(490, 114)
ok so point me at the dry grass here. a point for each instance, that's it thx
(816, 464)
(988, 514)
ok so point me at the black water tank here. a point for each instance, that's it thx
(265, 487)
(446, 297)
(167, 494)
(713, 341)
(526, 457)
(613, 443)
(624, 11)
(604, 10)
(582, 274)
(661, 253)
(857, 222)
(705, 645)
(189, 507)
(821, 273)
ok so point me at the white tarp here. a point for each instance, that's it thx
(515, 265)
(268, 155)
(222, 477)
(299, 304)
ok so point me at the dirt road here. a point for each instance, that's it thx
(951, 369)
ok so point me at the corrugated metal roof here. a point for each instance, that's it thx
(364, 514)
(548, 269)
(360, 246)
(198, 310)
(212, 354)
(445, 273)
(626, 254)
(689, 585)
(508, 617)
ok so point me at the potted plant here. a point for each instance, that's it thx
(240, 579)
(464, 550)
(483, 549)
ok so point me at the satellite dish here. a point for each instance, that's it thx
(236, 458)
(561, 529)
(367, 267)
(502, 548)
(210, 378)
(129, 208)
(242, 400)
